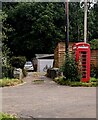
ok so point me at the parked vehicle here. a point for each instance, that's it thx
(28, 66)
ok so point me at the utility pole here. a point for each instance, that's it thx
(85, 20)
(86, 4)
(67, 24)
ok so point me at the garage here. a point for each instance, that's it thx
(44, 61)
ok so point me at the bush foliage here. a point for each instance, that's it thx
(94, 44)
(5, 116)
(94, 71)
(70, 69)
(7, 71)
(9, 82)
(62, 81)
(18, 62)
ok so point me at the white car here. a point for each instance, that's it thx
(28, 66)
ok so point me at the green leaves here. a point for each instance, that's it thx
(94, 44)
(70, 69)
(35, 27)
(18, 62)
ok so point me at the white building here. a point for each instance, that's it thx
(44, 61)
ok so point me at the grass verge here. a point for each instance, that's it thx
(92, 83)
(5, 116)
(9, 82)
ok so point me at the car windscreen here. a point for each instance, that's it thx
(28, 63)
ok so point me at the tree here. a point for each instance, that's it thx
(76, 22)
(93, 23)
(30, 26)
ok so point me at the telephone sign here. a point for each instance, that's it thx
(82, 56)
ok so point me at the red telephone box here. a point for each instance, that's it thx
(82, 55)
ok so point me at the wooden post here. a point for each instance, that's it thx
(67, 25)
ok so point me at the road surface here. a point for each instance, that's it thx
(47, 99)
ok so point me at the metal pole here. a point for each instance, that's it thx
(0, 42)
(85, 20)
(67, 24)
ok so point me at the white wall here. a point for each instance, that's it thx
(43, 62)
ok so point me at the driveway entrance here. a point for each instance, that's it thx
(47, 99)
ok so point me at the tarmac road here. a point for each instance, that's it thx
(46, 99)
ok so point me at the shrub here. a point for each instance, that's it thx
(96, 75)
(94, 71)
(94, 44)
(63, 81)
(9, 82)
(5, 116)
(18, 62)
(70, 69)
(92, 79)
(7, 71)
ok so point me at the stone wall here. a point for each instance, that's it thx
(59, 54)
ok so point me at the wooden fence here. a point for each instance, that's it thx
(59, 54)
(94, 57)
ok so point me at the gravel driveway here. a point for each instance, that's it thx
(46, 99)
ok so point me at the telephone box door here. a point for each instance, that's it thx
(82, 53)
(85, 66)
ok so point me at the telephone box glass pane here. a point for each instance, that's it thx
(83, 62)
